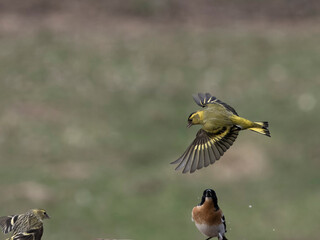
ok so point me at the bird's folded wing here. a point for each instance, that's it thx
(33, 234)
(206, 149)
(23, 236)
(204, 99)
(7, 223)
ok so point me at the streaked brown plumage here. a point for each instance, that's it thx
(26, 226)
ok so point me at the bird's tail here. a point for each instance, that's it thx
(261, 127)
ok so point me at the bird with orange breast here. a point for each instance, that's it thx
(208, 217)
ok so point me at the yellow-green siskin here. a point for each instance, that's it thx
(26, 226)
(220, 127)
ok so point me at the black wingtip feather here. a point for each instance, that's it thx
(266, 130)
(267, 133)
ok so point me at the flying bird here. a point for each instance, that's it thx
(220, 127)
(208, 217)
(26, 226)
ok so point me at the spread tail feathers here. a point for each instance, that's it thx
(262, 128)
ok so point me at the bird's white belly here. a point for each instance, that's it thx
(211, 230)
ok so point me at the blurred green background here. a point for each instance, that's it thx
(94, 99)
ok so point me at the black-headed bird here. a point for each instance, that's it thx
(220, 127)
(208, 217)
(26, 226)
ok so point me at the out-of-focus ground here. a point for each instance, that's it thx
(94, 98)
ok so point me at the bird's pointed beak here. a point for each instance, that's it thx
(189, 125)
(47, 216)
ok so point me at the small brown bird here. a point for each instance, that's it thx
(26, 226)
(220, 127)
(208, 217)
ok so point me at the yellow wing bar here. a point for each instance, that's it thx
(206, 149)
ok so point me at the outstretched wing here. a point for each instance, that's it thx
(206, 148)
(7, 223)
(204, 99)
